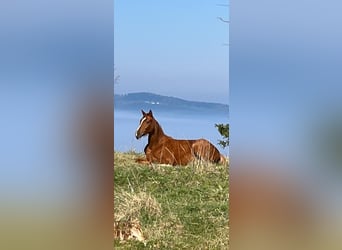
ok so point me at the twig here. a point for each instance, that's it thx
(220, 18)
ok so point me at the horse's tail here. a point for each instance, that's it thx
(224, 160)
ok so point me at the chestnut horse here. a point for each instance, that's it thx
(163, 149)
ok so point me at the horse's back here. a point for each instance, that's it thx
(200, 148)
(181, 150)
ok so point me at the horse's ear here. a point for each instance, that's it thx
(150, 113)
(142, 111)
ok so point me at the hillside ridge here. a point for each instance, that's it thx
(147, 100)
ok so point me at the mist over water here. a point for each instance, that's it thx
(174, 124)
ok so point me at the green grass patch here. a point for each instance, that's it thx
(178, 207)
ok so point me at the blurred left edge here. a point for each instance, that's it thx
(56, 106)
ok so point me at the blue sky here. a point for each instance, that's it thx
(172, 48)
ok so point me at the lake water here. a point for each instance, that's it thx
(174, 125)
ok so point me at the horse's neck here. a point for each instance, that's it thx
(157, 135)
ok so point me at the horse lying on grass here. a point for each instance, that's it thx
(163, 149)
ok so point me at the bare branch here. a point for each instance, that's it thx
(221, 19)
(116, 78)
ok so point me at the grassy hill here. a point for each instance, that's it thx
(178, 207)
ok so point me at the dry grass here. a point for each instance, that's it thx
(178, 207)
(131, 205)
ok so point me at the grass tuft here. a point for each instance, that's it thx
(132, 205)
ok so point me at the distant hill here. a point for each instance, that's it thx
(160, 103)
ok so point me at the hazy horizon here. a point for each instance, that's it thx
(175, 96)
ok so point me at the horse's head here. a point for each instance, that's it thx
(146, 125)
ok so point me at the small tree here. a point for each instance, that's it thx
(223, 129)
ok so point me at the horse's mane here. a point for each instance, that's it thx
(159, 131)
